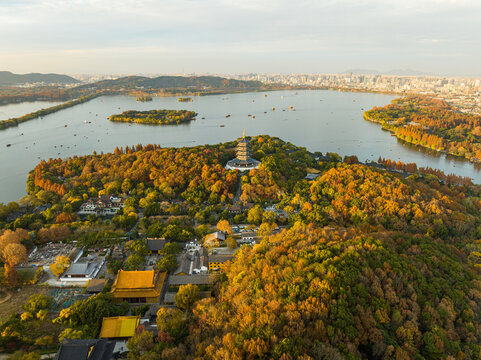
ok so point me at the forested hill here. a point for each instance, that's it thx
(177, 82)
(132, 85)
(371, 265)
(431, 123)
(8, 78)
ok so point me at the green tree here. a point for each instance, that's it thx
(87, 315)
(171, 321)
(140, 344)
(71, 334)
(37, 302)
(231, 242)
(139, 247)
(187, 296)
(167, 263)
(171, 248)
(22, 355)
(113, 266)
(156, 230)
(134, 262)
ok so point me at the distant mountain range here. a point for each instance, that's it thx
(176, 82)
(8, 78)
(398, 72)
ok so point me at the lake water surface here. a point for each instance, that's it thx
(325, 121)
(15, 110)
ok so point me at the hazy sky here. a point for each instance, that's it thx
(239, 36)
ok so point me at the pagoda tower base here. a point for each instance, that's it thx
(236, 164)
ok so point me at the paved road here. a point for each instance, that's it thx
(6, 298)
(239, 189)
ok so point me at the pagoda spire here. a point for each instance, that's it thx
(244, 134)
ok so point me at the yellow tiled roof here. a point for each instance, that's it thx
(119, 326)
(134, 279)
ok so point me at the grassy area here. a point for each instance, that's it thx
(14, 304)
(3, 295)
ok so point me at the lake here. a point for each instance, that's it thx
(321, 120)
(15, 110)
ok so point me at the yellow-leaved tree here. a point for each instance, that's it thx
(223, 225)
(60, 265)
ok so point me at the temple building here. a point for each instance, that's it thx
(243, 160)
(138, 286)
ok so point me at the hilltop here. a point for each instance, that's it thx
(176, 82)
(7, 78)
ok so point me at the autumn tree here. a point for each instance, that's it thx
(223, 225)
(37, 302)
(12, 252)
(187, 296)
(60, 265)
(231, 242)
(54, 234)
(254, 215)
(64, 218)
(172, 322)
(71, 334)
(265, 229)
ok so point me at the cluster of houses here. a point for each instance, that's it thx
(102, 206)
(197, 265)
(197, 260)
(134, 287)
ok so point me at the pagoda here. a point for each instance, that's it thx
(243, 160)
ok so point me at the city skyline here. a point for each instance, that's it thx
(86, 36)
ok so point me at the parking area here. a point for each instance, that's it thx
(46, 254)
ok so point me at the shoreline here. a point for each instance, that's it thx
(16, 121)
(5, 124)
(394, 133)
(421, 150)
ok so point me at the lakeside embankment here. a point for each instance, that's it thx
(431, 124)
(4, 124)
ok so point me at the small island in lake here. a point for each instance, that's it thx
(155, 117)
(184, 99)
(144, 98)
